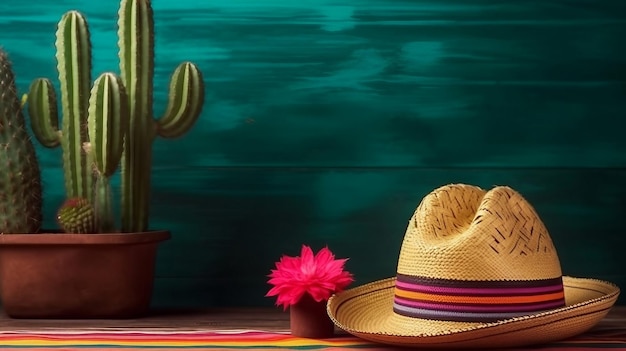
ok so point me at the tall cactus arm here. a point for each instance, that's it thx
(108, 124)
(186, 97)
(136, 43)
(74, 67)
(42, 109)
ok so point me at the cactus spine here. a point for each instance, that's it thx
(20, 178)
(186, 96)
(74, 66)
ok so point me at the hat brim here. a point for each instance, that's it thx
(366, 311)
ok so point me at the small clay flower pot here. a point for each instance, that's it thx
(308, 319)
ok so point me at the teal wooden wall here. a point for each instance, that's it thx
(327, 121)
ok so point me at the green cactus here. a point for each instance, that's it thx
(97, 135)
(94, 122)
(186, 97)
(74, 66)
(20, 178)
(77, 216)
(107, 125)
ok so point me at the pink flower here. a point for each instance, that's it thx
(320, 276)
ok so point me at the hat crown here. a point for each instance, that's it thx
(475, 255)
(464, 232)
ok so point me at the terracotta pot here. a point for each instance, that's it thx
(78, 275)
(309, 319)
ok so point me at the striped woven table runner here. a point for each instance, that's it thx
(237, 339)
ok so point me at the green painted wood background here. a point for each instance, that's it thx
(327, 121)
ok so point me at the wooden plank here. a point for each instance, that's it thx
(230, 225)
(382, 83)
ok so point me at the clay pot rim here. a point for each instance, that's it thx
(50, 237)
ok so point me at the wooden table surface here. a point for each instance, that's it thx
(268, 319)
(35, 335)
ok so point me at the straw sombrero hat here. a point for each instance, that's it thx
(476, 269)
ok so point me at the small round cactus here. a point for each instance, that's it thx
(77, 216)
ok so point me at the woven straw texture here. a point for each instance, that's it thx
(462, 232)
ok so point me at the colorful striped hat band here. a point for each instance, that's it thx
(474, 301)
